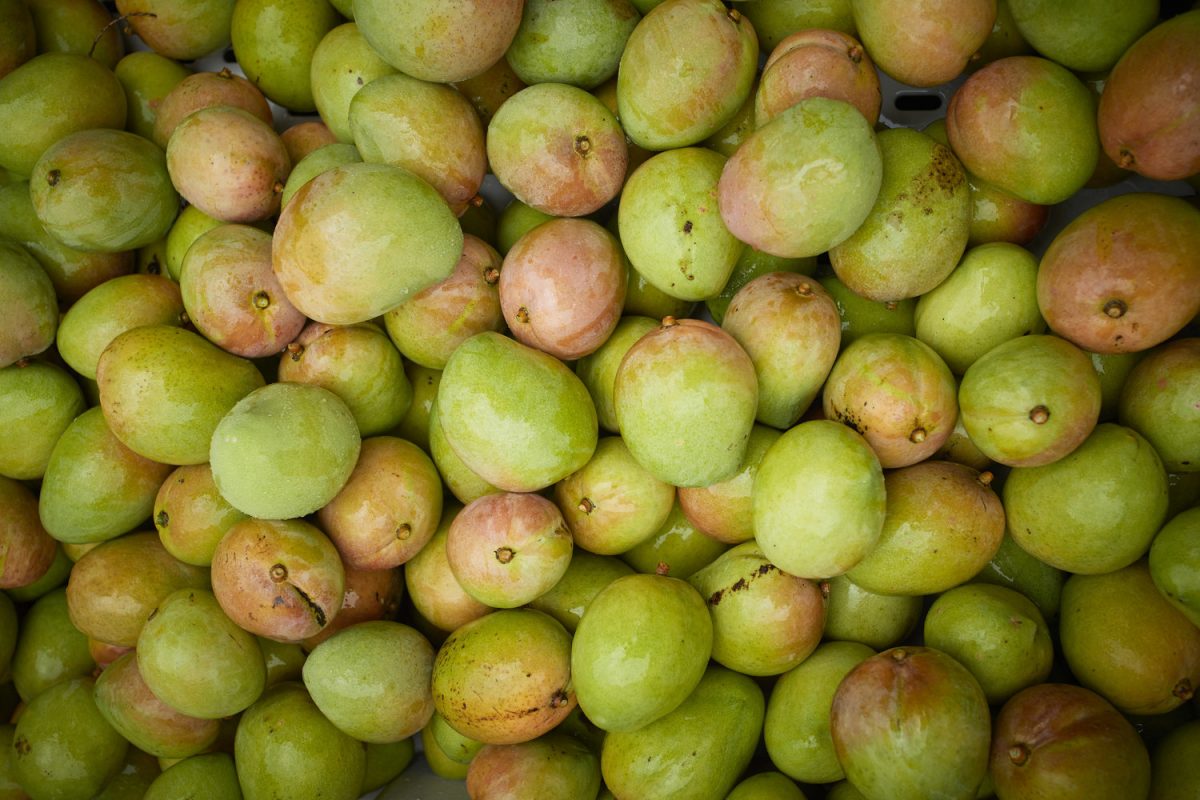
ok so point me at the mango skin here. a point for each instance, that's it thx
(49, 650)
(274, 41)
(629, 669)
(517, 417)
(18, 41)
(27, 302)
(342, 64)
(687, 68)
(286, 748)
(575, 43)
(918, 228)
(1176, 763)
(1083, 35)
(818, 500)
(95, 488)
(598, 370)
(1155, 403)
(829, 144)
(53, 95)
(211, 773)
(155, 378)
(554, 766)
(1175, 562)
(876, 620)
(147, 78)
(685, 398)
(697, 752)
(924, 43)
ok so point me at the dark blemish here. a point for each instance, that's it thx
(687, 226)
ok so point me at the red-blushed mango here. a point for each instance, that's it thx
(401, 239)
(1151, 105)
(436, 595)
(28, 549)
(1150, 660)
(505, 678)
(203, 90)
(912, 723)
(556, 765)
(439, 40)
(804, 182)
(927, 42)
(372, 681)
(428, 326)
(752, 264)
(27, 303)
(917, 229)
(280, 579)
(1093, 511)
(765, 621)
(370, 595)
(1026, 125)
(343, 63)
(895, 391)
(516, 416)
(1083, 35)
(300, 140)
(817, 63)
(232, 296)
(274, 41)
(790, 328)
(95, 488)
(943, 524)
(558, 149)
(284, 451)
(1064, 741)
(389, 507)
(1030, 400)
(685, 398)
(818, 500)
(103, 191)
(630, 668)
(164, 389)
(427, 128)
(562, 287)
(1124, 275)
(507, 549)
(612, 503)
(724, 510)
(671, 226)
(110, 309)
(228, 163)
(178, 29)
(687, 68)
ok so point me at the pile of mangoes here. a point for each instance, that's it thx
(756, 448)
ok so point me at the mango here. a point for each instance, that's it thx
(205, 90)
(27, 299)
(147, 78)
(49, 650)
(861, 316)
(724, 510)
(677, 549)
(1083, 35)
(927, 43)
(28, 551)
(342, 64)
(554, 766)
(1154, 402)
(274, 41)
(77, 26)
(586, 576)
(1016, 569)
(876, 620)
(598, 369)
(212, 773)
(180, 30)
(752, 264)
(1173, 561)
(575, 43)
(817, 63)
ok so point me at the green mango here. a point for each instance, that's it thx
(612, 503)
(989, 298)
(776, 20)
(438, 762)
(414, 427)
(575, 43)
(630, 669)
(284, 660)
(516, 220)
(861, 316)
(996, 633)
(453, 744)
(183, 30)
(318, 161)
(27, 301)
(677, 549)
(49, 649)
(64, 747)
(818, 500)
(95, 488)
(1175, 765)
(211, 775)
(113, 307)
(685, 397)
(164, 389)
(1158, 401)
(766, 786)
(1093, 511)
(586, 576)
(725, 511)
(750, 265)
(1083, 35)
(1030, 400)
(196, 660)
(550, 767)
(697, 751)
(686, 70)
(1113, 369)
(275, 40)
(372, 680)
(18, 37)
(670, 225)
(77, 26)
(189, 226)
(50, 96)
(765, 621)
(729, 137)
(1035, 579)
(147, 77)
(460, 479)
(912, 723)
(1122, 639)
(104, 191)
(286, 749)
(917, 230)
(342, 64)
(131, 783)
(9, 788)
(876, 620)
(385, 762)
(796, 727)
(1175, 562)
(517, 417)
(191, 516)
(831, 147)
(598, 369)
